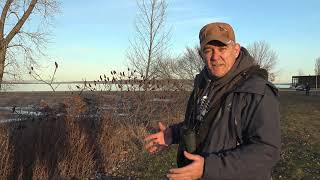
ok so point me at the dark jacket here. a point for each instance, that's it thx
(243, 141)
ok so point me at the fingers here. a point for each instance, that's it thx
(185, 169)
(151, 136)
(191, 156)
(161, 126)
(155, 147)
(149, 145)
(191, 171)
(156, 135)
(156, 142)
(152, 140)
(180, 176)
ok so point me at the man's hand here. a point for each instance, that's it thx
(159, 141)
(191, 171)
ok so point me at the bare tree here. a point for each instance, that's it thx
(317, 66)
(264, 56)
(20, 40)
(151, 40)
(166, 68)
(190, 64)
(184, 68)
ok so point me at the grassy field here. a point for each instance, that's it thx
(72, 146)
(300, 126)
(300, 156)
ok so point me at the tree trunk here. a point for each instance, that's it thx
(2, 62)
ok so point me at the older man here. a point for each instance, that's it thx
(231, 128)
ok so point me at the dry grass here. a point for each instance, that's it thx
(84, 141)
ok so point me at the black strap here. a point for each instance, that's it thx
(203, 129)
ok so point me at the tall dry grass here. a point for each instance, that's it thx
(79, 139)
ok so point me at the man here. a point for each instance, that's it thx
(307, 89)
(231, 128)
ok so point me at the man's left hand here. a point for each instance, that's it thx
(191, 171)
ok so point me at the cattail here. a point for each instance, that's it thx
(100, 77)
(55, 63)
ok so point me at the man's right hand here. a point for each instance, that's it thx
(160, 140)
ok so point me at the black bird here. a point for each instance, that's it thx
(13, 109)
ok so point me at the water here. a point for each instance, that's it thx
(283, 86)
(67, 87)
(40, 87)
(72, 87)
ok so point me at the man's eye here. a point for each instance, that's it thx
(207, 51)
(222, 48)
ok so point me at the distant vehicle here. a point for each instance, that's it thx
(300, 88)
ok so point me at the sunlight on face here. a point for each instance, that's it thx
(219, 58)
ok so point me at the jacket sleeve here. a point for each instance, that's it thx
(175, 128)
(260, 149)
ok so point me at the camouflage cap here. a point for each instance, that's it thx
(218, 31)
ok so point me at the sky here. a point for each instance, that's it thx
(90, 38)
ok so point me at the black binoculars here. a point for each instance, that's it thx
(188, 143)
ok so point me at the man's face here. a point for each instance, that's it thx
(219, 58)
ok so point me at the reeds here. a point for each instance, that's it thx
(80, 138)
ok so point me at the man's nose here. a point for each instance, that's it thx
(215, 56)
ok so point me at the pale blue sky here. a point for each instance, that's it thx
(90, 38)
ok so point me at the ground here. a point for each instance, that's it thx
(300, 124)
(300, 155)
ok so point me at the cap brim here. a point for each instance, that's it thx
(215, 38)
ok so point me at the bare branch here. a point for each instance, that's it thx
(264, 56)
(16, 40)
(3, 16)
(151, 39)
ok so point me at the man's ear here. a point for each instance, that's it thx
(237, 48)
(200, 52)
